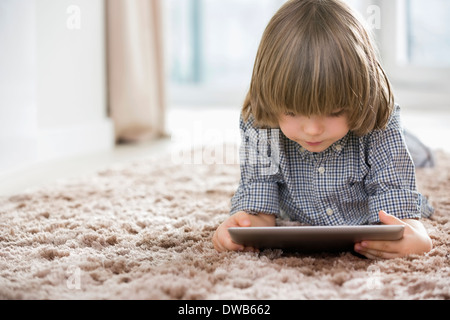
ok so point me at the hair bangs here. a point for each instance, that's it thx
(316, 58)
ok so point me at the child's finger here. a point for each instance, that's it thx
(376, 255)
(231, 246)
(381, 246)
(224, 243)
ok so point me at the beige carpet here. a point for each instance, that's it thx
(143, 230)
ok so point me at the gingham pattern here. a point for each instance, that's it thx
(348, 184)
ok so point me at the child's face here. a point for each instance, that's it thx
(315, 133)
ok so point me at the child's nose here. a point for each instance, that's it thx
(313, 126)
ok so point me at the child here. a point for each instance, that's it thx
(322, 139)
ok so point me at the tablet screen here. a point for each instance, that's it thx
(341, 238)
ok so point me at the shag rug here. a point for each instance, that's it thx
(142, 230)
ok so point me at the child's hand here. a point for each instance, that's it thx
(415, 241)
(222, 240)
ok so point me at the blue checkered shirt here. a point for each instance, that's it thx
(348, 184)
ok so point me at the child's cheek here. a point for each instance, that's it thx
(290, 129)
(338, 126)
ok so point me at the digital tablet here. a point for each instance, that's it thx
(342, 238)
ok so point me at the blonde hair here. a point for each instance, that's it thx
(316, 57)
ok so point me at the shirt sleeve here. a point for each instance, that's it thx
(391, 181)
(258, 190)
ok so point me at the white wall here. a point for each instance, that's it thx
(52, 81)
(18, 109)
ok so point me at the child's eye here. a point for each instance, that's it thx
(337, 113)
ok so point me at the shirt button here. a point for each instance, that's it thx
(338, 148)
(330, 212)
(322, 170)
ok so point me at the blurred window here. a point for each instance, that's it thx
(415, 45)
(212, 44)
(428, 24)
(214, 40)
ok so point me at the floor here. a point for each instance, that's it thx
(190, 127)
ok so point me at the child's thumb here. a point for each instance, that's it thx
(243, 220)
(389, 220)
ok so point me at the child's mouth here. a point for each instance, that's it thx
(314, 144)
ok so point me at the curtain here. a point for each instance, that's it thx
(136, 90)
